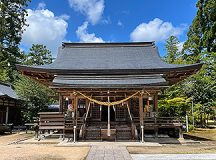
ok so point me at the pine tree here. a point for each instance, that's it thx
(38, 55)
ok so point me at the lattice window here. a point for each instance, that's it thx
(121, 113)
(96, 112)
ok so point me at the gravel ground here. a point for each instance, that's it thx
(37, 152)
(51, 152)
(42, 152)
(204, 147)
(174, 156)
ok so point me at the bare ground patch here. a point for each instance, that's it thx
(42, 152)
(37, 151)
(6, 139)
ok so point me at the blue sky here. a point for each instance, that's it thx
(53, 21)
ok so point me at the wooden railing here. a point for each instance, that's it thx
(157, 121)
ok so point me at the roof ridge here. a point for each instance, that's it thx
(107, 44)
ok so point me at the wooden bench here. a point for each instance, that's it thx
(51, 122)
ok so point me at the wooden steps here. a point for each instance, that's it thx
(98, 131)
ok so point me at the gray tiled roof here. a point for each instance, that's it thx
(105, 61)
(109, 81)
(105, 57)
(108, 57)
(6, 90)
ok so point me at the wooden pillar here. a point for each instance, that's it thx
(76, 108)
(74, 98)
(6, 117)
(141, 109)
(141, 117)
(108, 125)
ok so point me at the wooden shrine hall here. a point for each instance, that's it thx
(109, 91)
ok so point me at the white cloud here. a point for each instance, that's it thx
(84, 36)
(155, 30)
(119, 23)
(44, 28)
(93, 9)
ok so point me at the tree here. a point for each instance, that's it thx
(201, 47)
(174, 107)
(35, 96)
(3, 71)
(12, 22)
(38, 55)
(202, 32)
(173, 52)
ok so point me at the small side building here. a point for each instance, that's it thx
(9, 105)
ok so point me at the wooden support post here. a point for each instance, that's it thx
(74, 134)
(108, 125)
(76, 109)
(141, 117)
(141, 109)
(142, 131)
(6, 117)
(74, 98)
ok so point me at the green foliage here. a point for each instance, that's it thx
(175, 107)
(172, 50)
(35, 96)
(3, 71)
(199, 47)
(190, 127)
(38, 55)
(202, 32)
(12, 22)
